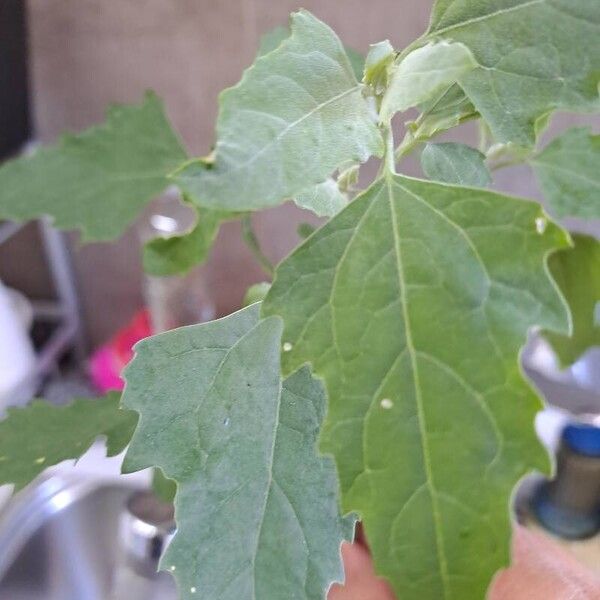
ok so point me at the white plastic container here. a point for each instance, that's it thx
(17, 356)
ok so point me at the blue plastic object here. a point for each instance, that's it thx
(583, 439)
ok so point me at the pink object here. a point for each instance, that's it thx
(108, 362)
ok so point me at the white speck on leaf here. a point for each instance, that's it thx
(287, 347)
(540, 225)
(40, 460)
(193, 590)
(386, 403)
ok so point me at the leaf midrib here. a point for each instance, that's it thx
(419, 401)
(267, 490)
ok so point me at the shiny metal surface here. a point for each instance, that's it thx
(147, 527)
(60, 540)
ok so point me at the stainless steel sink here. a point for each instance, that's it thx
(61, 540)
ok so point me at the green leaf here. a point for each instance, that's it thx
(449, 109)
(256, 293)
(378, 65)
(412, 304)
(423, 74)
(178, 254)
(305, 230)
(163, 488)
(357, 62)
(272, 40)
(296, 116)
(256, 507)
(569, 172)
(455, 163)
(534, 57)
(324, 199)
(577, 273)
(99, 180)
(41, 435)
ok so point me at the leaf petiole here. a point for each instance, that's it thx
(253, 244)
(407, 145)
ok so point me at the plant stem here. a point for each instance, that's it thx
(407, 145)
(390, 159)
(252, 242)
(483, 136)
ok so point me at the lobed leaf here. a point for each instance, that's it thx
(569, 172)
(98, 180)
(294, 118)
(455, 163)
(41, 435)
(256, 507)
(577, 272)
(412, 304)
(534, 57)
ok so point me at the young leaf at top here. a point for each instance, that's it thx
(577, 273)
(296, 116)
(177, 254)
(569, 172)
(534, 57)
(379, 65)
(98, 180)
(324, 199)
(41, 435)
(256, 507)
(423, 74)
(412, 304)
(455, 163)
